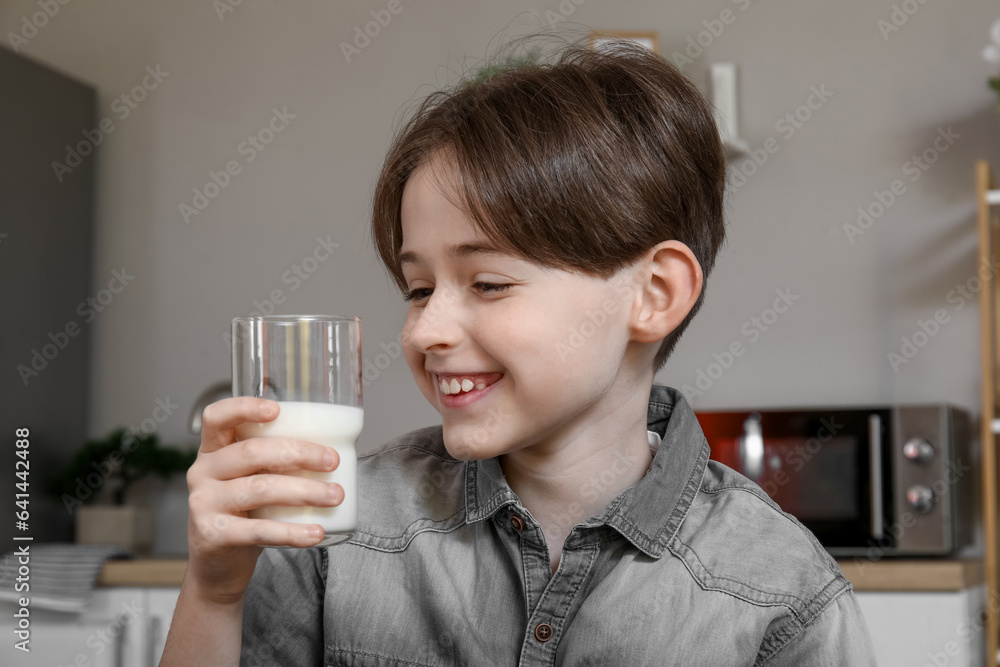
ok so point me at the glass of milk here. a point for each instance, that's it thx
(311, 365)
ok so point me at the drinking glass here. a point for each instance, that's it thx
(311, 365)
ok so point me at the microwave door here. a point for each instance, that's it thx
(826, 468)
(850, 519)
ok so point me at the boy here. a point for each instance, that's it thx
(551, 228)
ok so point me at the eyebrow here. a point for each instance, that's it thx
(458, 250)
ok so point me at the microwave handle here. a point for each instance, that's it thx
(875, 449)
(752, 447)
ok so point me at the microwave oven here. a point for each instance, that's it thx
(878, 481)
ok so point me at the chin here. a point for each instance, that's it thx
(466, 448)
(464, 452)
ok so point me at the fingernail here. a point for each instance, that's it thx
(333, 490)
(330, 458)
(314, 532)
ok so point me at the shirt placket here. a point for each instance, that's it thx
(551, 598)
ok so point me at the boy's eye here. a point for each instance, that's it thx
(491, 287)
(416, 294)
(419, 293)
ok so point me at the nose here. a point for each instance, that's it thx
(436, 325)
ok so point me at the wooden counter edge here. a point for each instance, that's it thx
(143, 572)
(913, 575)
(885, 575)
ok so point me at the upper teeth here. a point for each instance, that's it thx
(455, 387)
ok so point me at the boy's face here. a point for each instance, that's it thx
(549, 346)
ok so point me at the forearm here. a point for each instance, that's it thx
(203, 632)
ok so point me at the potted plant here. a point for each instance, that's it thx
(105, 470)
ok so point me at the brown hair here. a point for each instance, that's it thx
(584, 163)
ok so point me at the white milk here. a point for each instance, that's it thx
(336, 426)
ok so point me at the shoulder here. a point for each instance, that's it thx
(736, 540)
(406, 486)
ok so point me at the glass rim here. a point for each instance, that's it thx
(296, 318)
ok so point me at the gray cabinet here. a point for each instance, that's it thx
(47, 123)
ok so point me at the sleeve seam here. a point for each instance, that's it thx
(785, 634)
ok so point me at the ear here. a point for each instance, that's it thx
(669, 280)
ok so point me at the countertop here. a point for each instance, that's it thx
(884, 575)
(144, 571)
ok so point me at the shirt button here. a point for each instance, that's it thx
(543, 632)
(516, 523)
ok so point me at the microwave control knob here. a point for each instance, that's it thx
(920, 498)
(918, 450)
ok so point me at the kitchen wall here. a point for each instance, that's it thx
(886, 82)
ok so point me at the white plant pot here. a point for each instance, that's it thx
(127, 526)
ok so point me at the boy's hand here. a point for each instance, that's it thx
(229, 478)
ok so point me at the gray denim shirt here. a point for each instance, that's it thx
(693, 565)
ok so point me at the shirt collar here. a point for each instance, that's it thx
(648, 513)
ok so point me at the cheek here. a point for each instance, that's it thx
(584, 328)
(405, 338)
(414, 358)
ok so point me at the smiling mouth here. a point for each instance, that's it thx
(459, 384)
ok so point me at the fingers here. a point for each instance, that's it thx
(247, 493)
(237, 532)
(230, 478)
(272, 455)
(220, 419)
(218, 510)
